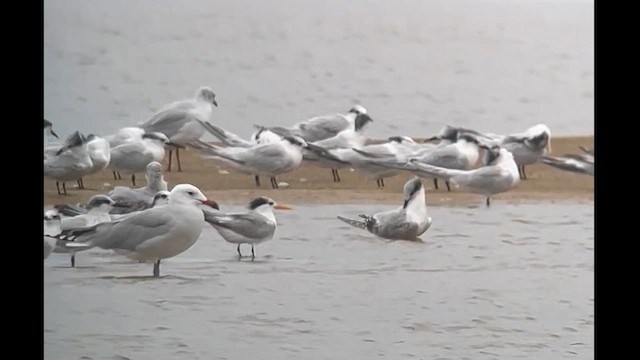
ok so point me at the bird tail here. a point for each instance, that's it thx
(228, 138)
(210, 150)
(423, 169)
(355, 223)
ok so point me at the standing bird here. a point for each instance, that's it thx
(48, 129)
(529, 147)
(69, 162)
(263, 136)
(320, 127)
(100, 154)
(499, 175)
(178, 120)
(98, 208)
(252, 227)
(407, 222)
(139, 198)
(271, 159)
(154, 234)
(134, 156)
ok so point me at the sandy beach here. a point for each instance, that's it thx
(309, 184)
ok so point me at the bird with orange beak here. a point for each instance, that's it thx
(251, 227)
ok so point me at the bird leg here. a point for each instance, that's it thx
(488, 202)
(274, 183)
(338, 175)
(333, 173)
(239, 253)
(448, 186)
(133, 179)
(73, 260)
(378, 183)
(524, 174)
(253, 255)
(257, 181)
(114, 175)
(178, 158)
(170, 154)
(382, 182)
(435, 183)
(156, 268)
(58, 187)
(64, 188)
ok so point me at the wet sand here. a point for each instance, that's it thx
(310, 184)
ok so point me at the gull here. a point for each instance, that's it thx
(263, 136)
(463, 154)
(406, 222)
(176, 120)
(100, 154)
(154, 234)
(139, 198)
(97, 211)
(70, 162)
(254, 226)
(363, 158)
(321, 127)
(122, 136)
(576, 163)
(499, 175)
(528, 147)
(349, 137)
(271, 159)
(52, 228)
(48, 129)
(134, 156)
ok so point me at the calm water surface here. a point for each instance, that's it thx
(513, 281)
(416, 65)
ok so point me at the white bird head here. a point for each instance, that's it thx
(207, 95)
(411, 190)
(358, 109)
(296, 141)
(160, 198)
(187, 194)
(102, 202)
(52, 215)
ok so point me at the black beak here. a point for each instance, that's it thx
(215, 103)
(406, 202)
(120, 204)
(175, 145)
(54, 134)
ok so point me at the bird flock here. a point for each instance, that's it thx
(153, 222)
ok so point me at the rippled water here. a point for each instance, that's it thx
(513, 281)
(494, 65)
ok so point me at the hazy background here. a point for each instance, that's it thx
(498, 66)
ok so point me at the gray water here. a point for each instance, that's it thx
(498, 66)
(513, 281)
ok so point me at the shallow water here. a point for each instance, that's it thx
(513, 281)
(497, 66)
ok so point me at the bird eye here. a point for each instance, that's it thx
(271, 203)
(190, 192)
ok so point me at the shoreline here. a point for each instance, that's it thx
(313, 185)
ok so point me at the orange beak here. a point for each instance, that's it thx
(283, 207)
